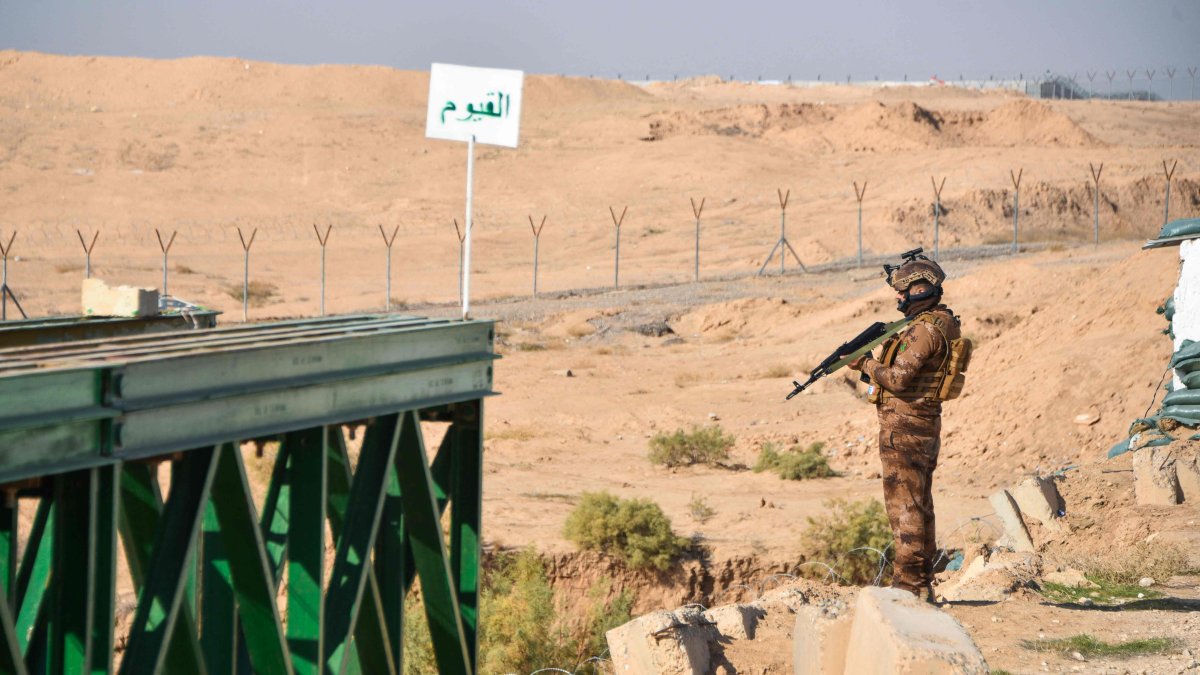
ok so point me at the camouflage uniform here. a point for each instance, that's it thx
(910, 426)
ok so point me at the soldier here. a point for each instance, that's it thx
(919, 368)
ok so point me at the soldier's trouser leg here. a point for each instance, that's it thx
(908, 464)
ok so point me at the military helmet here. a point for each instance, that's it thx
(913, 271)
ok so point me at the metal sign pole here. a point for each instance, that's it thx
(323, 241)
(87, 252)
(1096, 209)
(1167, 200)
(166, 250)
(461, 238)
(783, 200)
(466, 270)
(388, 286)
(617, 260)
(1016, 181)
(246, 271)
(859, 194)
(937, 212)
(696, 210)
(537, 235)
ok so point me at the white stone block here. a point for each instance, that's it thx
(99, 299)
(819, 641)
(894, 632)
(1010, 516)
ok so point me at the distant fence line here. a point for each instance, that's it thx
(1140, 84)
(89, 237)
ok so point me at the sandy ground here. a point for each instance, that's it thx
(204, 146)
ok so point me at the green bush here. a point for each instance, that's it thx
(708, 445)
(520, 627)
(635, 530)
(794, 463)
(844, 527)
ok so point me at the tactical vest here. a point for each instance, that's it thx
(940, 381)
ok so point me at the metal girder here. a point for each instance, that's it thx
(86, 427)
(74, 328)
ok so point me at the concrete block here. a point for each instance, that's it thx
(894, 632)
(819, 640)
(661, 642)
(993, 578)
(1038, 498)
(1155, 481)
(1187, 472)
(781, 600)
(735, 621)
(99, 299)
(1010, 516)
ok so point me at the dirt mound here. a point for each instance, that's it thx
(876, 125)
(1049, 212)
(1027, 122)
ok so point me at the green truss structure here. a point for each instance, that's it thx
(122, 459)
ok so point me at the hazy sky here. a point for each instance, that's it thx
(744, 38)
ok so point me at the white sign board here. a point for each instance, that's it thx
(480, 102)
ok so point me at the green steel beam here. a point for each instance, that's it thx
(139, 518)
(306, 550)
(252, 579)
(218, 615)
(424, 536)
(162, 593)
(276, 506)
(352, 562)
(74, 328)
(34, 576)
(374, 654)
(9, 525)
(103, 552)
(75, 495)
(465, 513)
(11, 660)
(158, 430)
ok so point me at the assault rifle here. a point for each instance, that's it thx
(864, 342)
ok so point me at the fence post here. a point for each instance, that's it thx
(859, 194)
(537, 235)
(696, 210)
(388, 286)
(617, 260)
(246, 271)
(5, 291)
(87, 252)
(1167, 200)
(323, 241)
(1096, 209)
(166, 250)
(1016, 181)
(937, 211)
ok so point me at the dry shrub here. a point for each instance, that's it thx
(635, 530)
(794, 463)
(847, 526)
(709, 445)
(1128, 564)
(521, 628)
(258, 293)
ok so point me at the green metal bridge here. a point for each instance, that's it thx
(86, 426)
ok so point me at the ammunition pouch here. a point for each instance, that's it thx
(943, 382)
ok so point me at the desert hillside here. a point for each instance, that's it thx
(205, 145)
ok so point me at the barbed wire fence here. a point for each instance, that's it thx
(279, 231)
